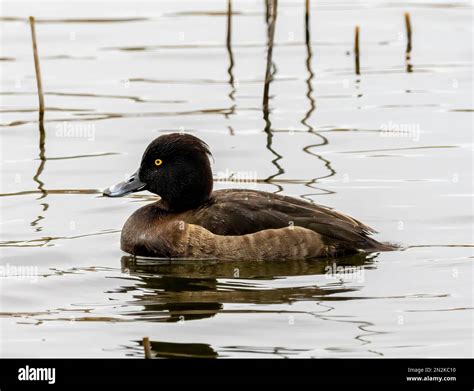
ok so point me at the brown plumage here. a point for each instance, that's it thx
(191, 221)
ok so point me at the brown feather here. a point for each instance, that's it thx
(246, 224)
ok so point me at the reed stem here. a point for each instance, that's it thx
(267, 10)
(408, 28)
(271, 36)
(306, 16)
(356, 50)
(229, 23)
(147, 347)
(37, 68)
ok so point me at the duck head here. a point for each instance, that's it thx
(174, 166)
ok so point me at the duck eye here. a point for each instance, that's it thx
(158, 162)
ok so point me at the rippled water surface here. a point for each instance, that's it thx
(391, 146)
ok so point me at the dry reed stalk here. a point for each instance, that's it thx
(147, 347)
(356, 50)
(37, 68)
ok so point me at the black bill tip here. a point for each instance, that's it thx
(130, 185)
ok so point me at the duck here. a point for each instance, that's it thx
(191, 221)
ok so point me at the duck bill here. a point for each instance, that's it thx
(130, 185)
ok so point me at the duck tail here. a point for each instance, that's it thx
(367, 245)
(372, 245)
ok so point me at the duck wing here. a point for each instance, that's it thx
(242, 211)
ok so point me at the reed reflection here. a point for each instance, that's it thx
(311, 109)
(269, 75)
(39, 171)
(231, 63)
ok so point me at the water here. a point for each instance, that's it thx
(392, 147)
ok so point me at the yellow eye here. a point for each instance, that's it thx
(158, 162)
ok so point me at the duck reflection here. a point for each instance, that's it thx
(178, 290)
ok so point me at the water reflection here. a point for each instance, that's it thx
(229, 51)
(74, 20)
(177, 290)
(106, 115)
(271, 17)
(311, 109)
(39, 171)
(231, 63)
(136, 99)
(161, 349)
